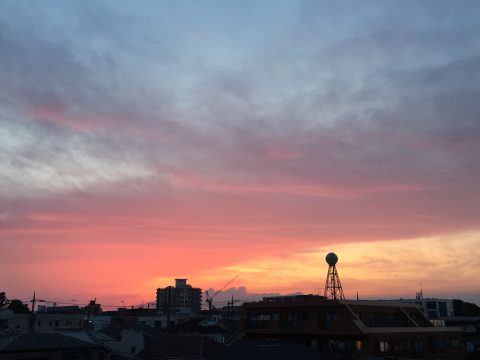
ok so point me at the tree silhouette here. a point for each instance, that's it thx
(18, 307)
(3, 299)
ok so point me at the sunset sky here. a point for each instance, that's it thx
(145, 141)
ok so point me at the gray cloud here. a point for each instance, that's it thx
(381, 114)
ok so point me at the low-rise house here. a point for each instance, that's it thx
(187, 347)
(51, 322)
(12, 325)
(128, 340)
(52, 347)
(214, 327)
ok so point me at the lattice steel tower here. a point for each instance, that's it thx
(333, 286)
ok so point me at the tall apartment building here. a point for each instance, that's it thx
(179, 298)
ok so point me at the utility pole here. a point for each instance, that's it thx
(230, 306)
(32, 316)
(32, 313)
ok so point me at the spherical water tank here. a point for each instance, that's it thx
(331, 259)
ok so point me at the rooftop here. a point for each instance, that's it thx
(50, 341)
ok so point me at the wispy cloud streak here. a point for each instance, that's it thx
(269, 128)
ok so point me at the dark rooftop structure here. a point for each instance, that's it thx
(52, 346)
(172, 346)
(115, 331)
(270, 349)
(72, 309)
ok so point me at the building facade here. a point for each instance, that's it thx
(433, 308)
(178, 298)
(353, 329)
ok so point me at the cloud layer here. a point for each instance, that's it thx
(214, 135)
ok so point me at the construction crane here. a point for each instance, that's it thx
(209, 298)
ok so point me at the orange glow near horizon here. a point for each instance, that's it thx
(132, 272)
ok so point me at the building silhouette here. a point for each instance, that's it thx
(350, 329)
(181, 297)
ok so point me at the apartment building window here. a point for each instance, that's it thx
(432, 305)
(295, 320)
(418, 346)
(260, 321)
(359, 345)
(438, 345)
(263, 317)
(330, 317)
(401, 346)
(442, 309)
(384, 346)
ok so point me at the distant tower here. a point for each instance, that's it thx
(333, 286)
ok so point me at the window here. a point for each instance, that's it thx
(418, 346)
(358, 345)
(401, 346)
(260, 317)
(329, 318)
(438, 345)
(384, 346)
(259, 321)
(292, 320)
(442, 308)
(431, 305)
